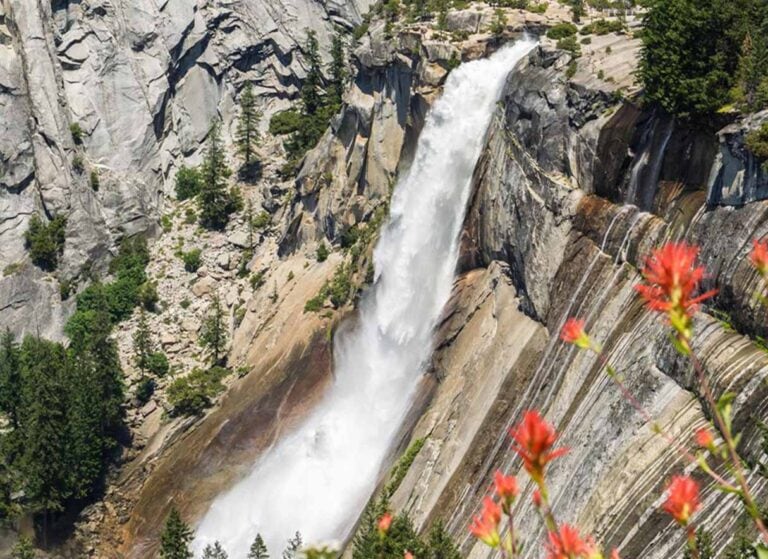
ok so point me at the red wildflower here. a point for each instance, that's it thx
(534, 438)
(615, 554)
(573, 333)
(682, 499)
(384, 523)
(567, 544)
(407, 555)
(506, 488)
(759, 256)
(704, 438)
(485, 525)
(672, 278)
(536, 498)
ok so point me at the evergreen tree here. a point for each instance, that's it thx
(42, 465)
(177, 535)
(214, 551)
(213, 335)
(142, 343)
(440, 545)
(293, 548)
(258, 549)
(338, 71)
(10, 379)
(247, 135)
(312, 86)
(216, 203)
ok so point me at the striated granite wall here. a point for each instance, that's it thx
(573, 189)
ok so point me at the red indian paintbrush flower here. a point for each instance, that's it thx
(536, 498)
(682, 499)
(534, 438)
(384, 523)
(573, 333)
(672, 277)
(506, 489)
(407, 555)
(567, 544)
(485, 525)
(704, 438)
(615, 554)
(759, 256)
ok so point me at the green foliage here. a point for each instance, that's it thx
(247, 134)
(77, 132)
(145, 389)
(192, 394)
(258, 549)
(192, 259)
(757, 142)
(94, 180)
(400, 538)
(322, 252)
(703, 545)
(45, 242)
(23, 549)
(603, 27)
(561, 31)
(157, 363)
(176, 537)
(691, 51)
(257, 280)
(213, 335)
(11, 269)
(214, 551)
(571, 45)
(403, 465)
(499, 23)
(78, 163)
(338, 72)
(166, 223)
(261, 220)
(215, 202)
(285, 122)
(188, 182)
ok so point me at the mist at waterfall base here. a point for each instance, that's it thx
(318, 478)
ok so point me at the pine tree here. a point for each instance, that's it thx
(311, 88)
(214, 551)
(338, 71)
(294, 545)
(42, 465)
(213, 335)
(177, 535)
(10, 379)
(247, 135)
(258, 549)
(440, 545)
(215, 201)
(142, 343)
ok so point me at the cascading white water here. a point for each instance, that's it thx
(318, 478)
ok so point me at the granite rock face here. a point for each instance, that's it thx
(573, 189)
(142, 80)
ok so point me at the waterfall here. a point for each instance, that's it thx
(318, 478)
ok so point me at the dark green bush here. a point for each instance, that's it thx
(145, 390)
(285, 122)
(322, 252)
(757, 142)
(194, 393)
(95, 183)
(148, 297)
(45, 241)
(77, 132)
(192, 259)
(602, 27)
(561, 31)
(157, 363)
(188, 183)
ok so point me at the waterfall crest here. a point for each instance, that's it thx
(318, 478)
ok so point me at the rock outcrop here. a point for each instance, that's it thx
(125, 90)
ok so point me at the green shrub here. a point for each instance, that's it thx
(261, 220)
(95, 183)
(166, 223)
(77, 132)
(157, 363)
(242, 269)
(586, 41)
(192, 394)
(257, 280)
(602, 27)
(285, 122)
(145, 389)
(572, 69)
(148, 297)
(322, 252)
(188, 181)
(192, 259)
(190, 216)
(78, 163)
(45, 242)
(315, 303)
(570, 44)
(184, 304)
(11, 269)
(561, 31)
(757, 142)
